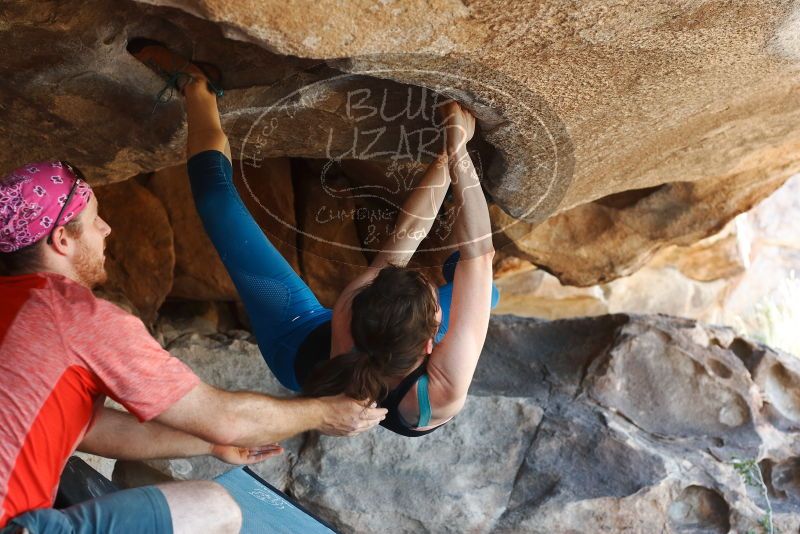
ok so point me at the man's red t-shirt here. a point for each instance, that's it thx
(61, 352)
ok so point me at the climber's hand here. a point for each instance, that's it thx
(459, 125)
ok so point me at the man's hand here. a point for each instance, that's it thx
(244, 455)
(343, 416)
(459, 126)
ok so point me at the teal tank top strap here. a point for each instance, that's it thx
(424, 402)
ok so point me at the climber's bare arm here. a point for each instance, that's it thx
(415, 220)
(204, 125)
(416, 217)
(453, 361)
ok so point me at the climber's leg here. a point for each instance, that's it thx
(281, 306)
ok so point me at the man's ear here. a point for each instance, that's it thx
(429, 346)
(61, 243)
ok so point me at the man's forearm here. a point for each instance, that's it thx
(119, 435)
(247, 419)
(257, 419)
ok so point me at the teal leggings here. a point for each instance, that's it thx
(282, 308)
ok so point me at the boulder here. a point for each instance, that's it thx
(531, 292)
(615, 236)
(352, 482)
(745, 276)
(724, 255)
(199, 273)
(331, 251)
(655, 288)
(620, 421)
(267, 194)
(577, 103)
(139, 251)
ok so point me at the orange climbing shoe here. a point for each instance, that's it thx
(177, 71)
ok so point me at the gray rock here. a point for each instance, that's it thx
(454, 480)
(609, 424)
(659, 378)
(235, 364)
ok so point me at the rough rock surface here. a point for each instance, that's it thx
(199, 272)
(590, 62)
(624, 423)
(617, 235)
(746, 277)
(138, 223)
(722, 256)
(331, 254)
(696, 103)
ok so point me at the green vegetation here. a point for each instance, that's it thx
(776, 318)
(751, 473)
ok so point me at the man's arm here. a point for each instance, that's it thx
(119, 435)
(250, 419)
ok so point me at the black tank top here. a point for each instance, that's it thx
(316, 348)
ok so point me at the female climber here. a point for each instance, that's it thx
(384, 340)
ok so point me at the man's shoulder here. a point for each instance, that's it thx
(45, 281)
(25, 291)
(67, 295)
(67, 298)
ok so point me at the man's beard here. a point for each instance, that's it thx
(90, 269)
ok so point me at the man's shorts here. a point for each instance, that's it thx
(134, 511)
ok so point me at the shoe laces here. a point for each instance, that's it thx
(173, 81)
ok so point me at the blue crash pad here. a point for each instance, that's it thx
(267, 509)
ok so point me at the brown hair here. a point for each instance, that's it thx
(29, 259)
(393, 318)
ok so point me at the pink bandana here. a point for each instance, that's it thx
(31, 198)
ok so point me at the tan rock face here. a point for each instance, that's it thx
(138, 223)
(199, 273)
(268, 196)
(615, 236)
(576, 102)
(331, 250)
(723, 255)
(631, 83)
(746, 276)
(532, 292)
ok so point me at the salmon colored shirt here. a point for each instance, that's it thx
(62, 351)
